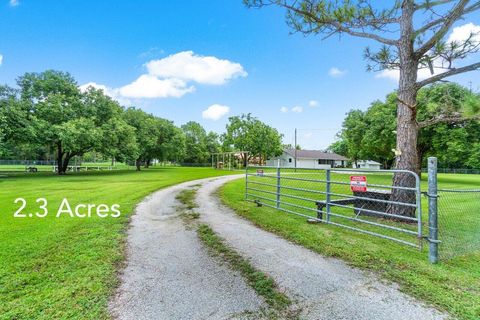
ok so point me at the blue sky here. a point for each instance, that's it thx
(265, 68)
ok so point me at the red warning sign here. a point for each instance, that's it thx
(358, 183)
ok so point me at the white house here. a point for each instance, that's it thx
(314, 159)
(368, 164)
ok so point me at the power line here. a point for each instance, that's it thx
(323, 129)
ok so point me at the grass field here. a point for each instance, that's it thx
(65, 268)
(453, 285)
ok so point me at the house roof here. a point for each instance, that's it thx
(315, 154)
(368, 162)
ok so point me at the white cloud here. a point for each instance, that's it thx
(14, 3)
(388, 74)
(215, 112)
(108, 91)
(111, 92)
(191, 67)
(395, 74)
(458, 34)
(172, 76)
(148, 86)
(336, 73)
(1, 59)
(313, 103)
(297, 109)
(308, 135)
(462, 33)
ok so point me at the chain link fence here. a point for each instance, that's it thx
(75, 164)
(458, 222)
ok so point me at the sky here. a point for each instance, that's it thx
(201, 60)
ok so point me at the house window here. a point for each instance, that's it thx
(290, 160)
(324, 161)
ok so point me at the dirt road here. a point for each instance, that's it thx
(170, 275)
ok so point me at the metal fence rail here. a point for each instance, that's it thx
(455, 170)
(355, 199)
(27, 162)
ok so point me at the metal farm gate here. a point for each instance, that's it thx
(355, 199)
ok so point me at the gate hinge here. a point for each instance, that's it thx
(431, 240)
(426, 194)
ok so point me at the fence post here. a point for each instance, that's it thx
(278, 187)
(432, 210)
(246, 182)
(328, 196)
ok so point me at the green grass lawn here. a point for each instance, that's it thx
(453, 285)
(65, 268)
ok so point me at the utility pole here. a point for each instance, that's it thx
(295, 148)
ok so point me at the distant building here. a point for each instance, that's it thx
(314, 159)
(368, 164)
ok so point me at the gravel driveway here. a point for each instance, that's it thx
(169, 275)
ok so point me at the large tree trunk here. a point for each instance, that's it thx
(66, 160)
(138, 164)
(60, 153)
(407, 128)
(63, 158)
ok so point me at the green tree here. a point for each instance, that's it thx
(164, 131)
(146, 132)
(370, 134)
(473, 160)
(441, 133)
(379, 137)
(354, 127)
(196, 143)
(17, 125)
(175, 148)
(116, 139)
(119, 141)
(247, 133)
(55, 101)
(212, 140)
(289, 146)
(73, 122)
(339, 146)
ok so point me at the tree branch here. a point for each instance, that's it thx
(449, 20)
(449, 73)
(429, 25)
(339, 27)
(372, 36)
(430, 4)
(472, 8)
(435, 22)
(449, 119)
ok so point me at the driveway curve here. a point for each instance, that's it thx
(170, 275)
